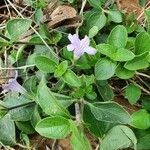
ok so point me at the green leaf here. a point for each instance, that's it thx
(105, 69)
(143, 137)
(55, 37)
(3, 43)
(83, 63)
(123, 55)
(95, 126)
(78, 140)
(142, 43)
(25, 127)
(47, 52)
(105, 91)
(95, 3)
(65, 101)
(115, 54)
(139, 62)
(124, 73)
(145, 102)
(25, 139)
(115, 16)
(38, 16)
(106, 49)
(20, 25)
(61, 69)
(147, 13)
(3, 112)
(20, 113)
(118, 37)
(48, 102)
(53, 127)
(45, 64)
(148, 58)
(71, 78)
(141, 119)
(30, 85)
(119, 137)
(93, 31)
(96, 18)
(35, 117)
(142, 2)
(110, 112)
(132, 93)
(66, 54)
(7, 131)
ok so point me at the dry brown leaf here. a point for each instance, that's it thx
(64, 15)
(56, 15)
(128, 6)
(65, 144)
(51, 6)
(5, 75)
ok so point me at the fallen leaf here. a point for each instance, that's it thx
(50, 7)
(128, 6)
(61, 14)
(57, 15)
(5, 75)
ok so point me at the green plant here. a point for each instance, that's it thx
(67, 80)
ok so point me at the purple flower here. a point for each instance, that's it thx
(13, 86)
(79, 47)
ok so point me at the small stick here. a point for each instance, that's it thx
(78, 115)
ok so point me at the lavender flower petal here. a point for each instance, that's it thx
(13, 86)
(78, 54)
(70, 47)
(74, 39)
(79, 47)
(90, 50)
(85, 42)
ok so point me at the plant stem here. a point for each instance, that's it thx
(144, 82)
(20, 42)
(29, 43)
(142, 74)
(82, 7)
(142, 88)
(81, 13)
(78, 114)
(22, 67)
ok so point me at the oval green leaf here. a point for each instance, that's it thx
(48, 102)
(61, 69)
(110, 112)
(139, 62)
(142, 43)
(124, 73)
(45, 64)
(53, 127)
(141, 119)
(119, 137)
(17, 27)
(132, 93)
(105, 69)
(118, 37)
(71, 78)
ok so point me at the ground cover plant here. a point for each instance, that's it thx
(74, 74)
